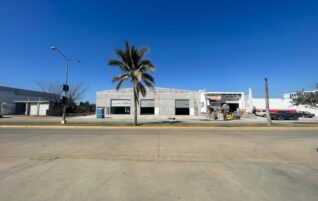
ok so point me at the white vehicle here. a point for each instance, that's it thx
(261, 113)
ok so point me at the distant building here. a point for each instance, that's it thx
(26, 102)
(295, 94)
(278, 104)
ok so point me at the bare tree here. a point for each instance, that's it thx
(77, 92)
(54, 91)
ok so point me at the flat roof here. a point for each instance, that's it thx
(31, 101)
(223, 92)
(149, 90)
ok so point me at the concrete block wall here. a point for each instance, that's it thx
(164, 99)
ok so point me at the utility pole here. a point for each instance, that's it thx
(268, 114)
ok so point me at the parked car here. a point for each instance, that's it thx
(305, 114)
(261, 113)
(284, 116)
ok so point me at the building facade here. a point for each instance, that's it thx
(166, 101)
(160, 101)
(172, 102)
(25, 102)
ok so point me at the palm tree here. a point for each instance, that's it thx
(134, 67)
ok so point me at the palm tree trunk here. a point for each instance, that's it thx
(135, 111)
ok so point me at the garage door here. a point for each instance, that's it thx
(184, 103)
(120, 106)
(182, 107)
(43, 109)
(147, 103)
(120, 103)
(147, 106)
(34, 109)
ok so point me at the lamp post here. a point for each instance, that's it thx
(65, 86)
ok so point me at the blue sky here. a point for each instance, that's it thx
(217, 45)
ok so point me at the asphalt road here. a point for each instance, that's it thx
(158, 164)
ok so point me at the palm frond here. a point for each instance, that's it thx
(122, 65)
(135, 57)
(142, 51)
(141, 88)
(149, 84)
(120, 77)
(122, 54)
(128, 52)
(148, 77)
(118, 86)
(146, 64)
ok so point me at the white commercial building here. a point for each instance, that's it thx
(160, 101)
(285, 103)
(167, 102)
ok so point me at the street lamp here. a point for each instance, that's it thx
(65, 86)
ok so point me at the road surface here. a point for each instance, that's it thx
(158, 164)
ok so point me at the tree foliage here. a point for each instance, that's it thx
(85, 107)
(309, 98)
(306, 98)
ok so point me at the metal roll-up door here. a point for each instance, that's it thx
(120, 103)
(43, 109)
(147, 103)
(184, 103)
(33, 109)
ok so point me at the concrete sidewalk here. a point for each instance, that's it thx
(145, 119)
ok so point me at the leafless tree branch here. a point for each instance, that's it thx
(54, 91)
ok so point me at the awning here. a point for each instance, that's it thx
(215, 98)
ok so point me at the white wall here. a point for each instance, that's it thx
(307, 109)
(274, 103)
(203, 103)
(283, 104)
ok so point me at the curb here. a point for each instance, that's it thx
(161, 127)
